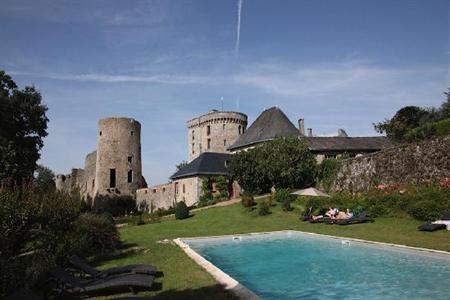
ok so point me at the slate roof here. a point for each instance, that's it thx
(207, 163)
(374, 143)
(271, 124)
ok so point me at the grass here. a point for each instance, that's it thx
(183, 279)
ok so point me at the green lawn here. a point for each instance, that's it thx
(183, 279)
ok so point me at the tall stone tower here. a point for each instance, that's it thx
(214, 132)
(118, 167)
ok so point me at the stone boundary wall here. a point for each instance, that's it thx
(422, 162)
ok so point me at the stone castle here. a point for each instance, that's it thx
(115, 168)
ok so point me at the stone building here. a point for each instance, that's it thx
(209, 135)
(115, 168)
(273, 123)
(214, 132)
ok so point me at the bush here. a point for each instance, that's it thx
(327, 172)
(263, 208)
(39, 230)
(97, 234)
(247, 200)
(115, 205)
(181, 211)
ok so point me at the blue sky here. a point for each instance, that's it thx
(338, 64)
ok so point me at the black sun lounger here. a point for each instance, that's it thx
(433, 227)
(127, 282)
(83, 266)
(361, 218)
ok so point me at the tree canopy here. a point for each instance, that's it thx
(23, 125)
(413, 122)
(45, 179)
(282, 163)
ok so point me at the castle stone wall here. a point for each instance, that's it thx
(224, 129)
(118, 142)
(406, 164)
(188, 190)
(156, 197)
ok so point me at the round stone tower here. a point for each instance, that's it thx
(118, 160)
(214, 132)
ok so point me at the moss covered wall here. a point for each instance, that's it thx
(406, 164)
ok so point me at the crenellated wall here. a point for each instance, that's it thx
(427, 161)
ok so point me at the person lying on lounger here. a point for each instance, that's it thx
(331, 213)
(344, 215)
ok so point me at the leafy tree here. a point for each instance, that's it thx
(283, 163)
(407, 118)
(45, 179)
(444, 110)
(222, 187)
(181, 165)
(206, 196)
(23, 125)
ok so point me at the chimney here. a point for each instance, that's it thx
(301, 126)
(310, 132)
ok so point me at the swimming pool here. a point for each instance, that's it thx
(296, 265)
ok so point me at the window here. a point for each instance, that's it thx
(130, 159)
(193, 148)
(193, 136)
(239, 129)
(330, 155)
(208, 130)
(112, 178)
(130, 176)
(224, 142)
(146, 191)
(154, 191)
(184, 189)
(93, 183)
(100, 133)
(223, 127)
(163, 189)
(132, 132)
(176, 188)
(209, 143)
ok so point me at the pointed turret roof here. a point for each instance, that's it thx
(271, 124)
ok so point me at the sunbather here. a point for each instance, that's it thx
(344, 215)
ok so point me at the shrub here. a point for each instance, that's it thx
(115, 205)
(181, 211)
(263, 208)
(247, 200)
(327, 172)
(96, 233)
(222, 188)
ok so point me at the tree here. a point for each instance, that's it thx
(283, 163)
(444, 110)
(23, 125)
(45, 179)
(181, 165)
(407, 118)
(221, 187)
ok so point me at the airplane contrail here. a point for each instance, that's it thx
(238, 30)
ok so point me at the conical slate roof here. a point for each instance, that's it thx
(208, 163)
(271, 124)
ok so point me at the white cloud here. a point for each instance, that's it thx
(353, 81)
(99, 77)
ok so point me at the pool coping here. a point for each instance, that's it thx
(243, 292)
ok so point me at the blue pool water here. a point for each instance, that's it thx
(292, 265)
